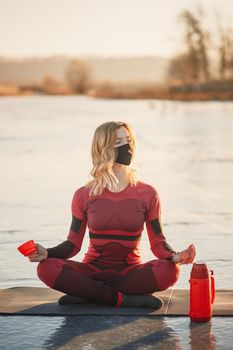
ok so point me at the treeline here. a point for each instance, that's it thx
(190, 73)
(194, 64)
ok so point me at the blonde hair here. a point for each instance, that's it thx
(103, 157)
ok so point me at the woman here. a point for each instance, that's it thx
(115, 205)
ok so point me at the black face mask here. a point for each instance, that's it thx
(122, 154)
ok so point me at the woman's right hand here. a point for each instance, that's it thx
(40, 255)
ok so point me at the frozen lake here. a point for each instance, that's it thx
(183, 149)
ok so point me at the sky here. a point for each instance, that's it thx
(99, 27)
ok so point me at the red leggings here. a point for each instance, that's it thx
(103, 284)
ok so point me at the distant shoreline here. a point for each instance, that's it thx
(208, 91)
(185, 98)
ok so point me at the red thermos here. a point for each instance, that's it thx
(202, 293)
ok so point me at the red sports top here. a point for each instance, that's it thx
(115, 222)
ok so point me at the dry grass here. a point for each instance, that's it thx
(215, 90)
(10, 90)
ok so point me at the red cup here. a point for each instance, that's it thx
(27, 248)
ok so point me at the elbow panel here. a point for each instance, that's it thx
(62, 250)
(156, 225)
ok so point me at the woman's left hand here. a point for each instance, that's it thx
(185, 256)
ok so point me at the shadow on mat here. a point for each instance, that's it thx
(87, 309)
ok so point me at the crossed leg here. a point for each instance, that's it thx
(87, 281)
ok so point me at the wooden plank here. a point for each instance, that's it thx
(43, 301)
(179, 304)
(223, 304)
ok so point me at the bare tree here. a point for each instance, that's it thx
(222, 52)
(229, 44)
(78, 76)
(225, 51)
(196, 40)
(182, 68)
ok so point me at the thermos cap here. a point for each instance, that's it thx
(199, 270)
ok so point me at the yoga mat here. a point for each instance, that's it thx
(43, 301)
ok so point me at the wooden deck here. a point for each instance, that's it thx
(43, 302)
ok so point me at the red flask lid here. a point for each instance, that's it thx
(199, 270)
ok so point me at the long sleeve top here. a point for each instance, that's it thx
(115, 222)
